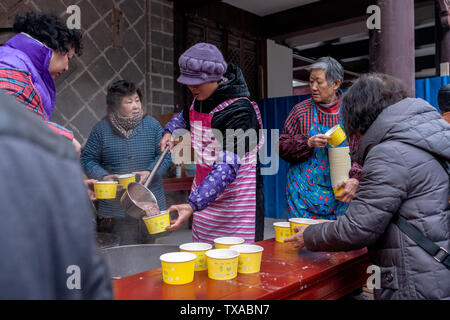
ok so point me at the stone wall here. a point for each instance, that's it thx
(162, 56)
(143, 53)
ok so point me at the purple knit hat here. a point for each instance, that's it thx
(201, 63)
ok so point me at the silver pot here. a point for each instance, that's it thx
(129, 260)
(107, 240)
(137, 192)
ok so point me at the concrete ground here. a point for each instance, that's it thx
(184, 234)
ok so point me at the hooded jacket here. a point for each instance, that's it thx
(400, 175)
(47, 230)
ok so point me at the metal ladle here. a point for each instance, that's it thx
(137, 192)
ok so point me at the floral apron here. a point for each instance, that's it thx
(309, 191)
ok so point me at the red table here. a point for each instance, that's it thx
(285, 274)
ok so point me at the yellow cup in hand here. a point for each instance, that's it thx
(126, 179)
(105, 190)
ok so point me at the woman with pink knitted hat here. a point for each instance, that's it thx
(224, 193)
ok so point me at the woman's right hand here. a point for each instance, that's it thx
(184, 212)
(318, 141)
(166, 140)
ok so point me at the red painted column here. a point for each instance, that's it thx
(392, 47)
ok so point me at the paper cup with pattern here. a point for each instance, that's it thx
(250, 257)
(337, 136)
(282, 231)
(227, 242)
(294, 222)
(126, 179)
(157, 224)
(178, 267)
(222, 264)
(199, 249)
(105, 190)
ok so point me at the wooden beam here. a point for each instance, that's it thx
(423, 37)
(289, 23)
(318, 16)
(224, 14)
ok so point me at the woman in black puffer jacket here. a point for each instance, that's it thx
(402, 138)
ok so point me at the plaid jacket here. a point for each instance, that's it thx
(18, 83)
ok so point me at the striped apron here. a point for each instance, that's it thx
(234, 210)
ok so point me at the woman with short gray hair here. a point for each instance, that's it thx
(303, 144)
(333, 69)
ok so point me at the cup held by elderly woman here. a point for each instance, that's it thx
(125, 142)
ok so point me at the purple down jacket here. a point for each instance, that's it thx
(25, 53)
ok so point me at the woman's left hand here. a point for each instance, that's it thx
(350, 186)
(297, 239)
(143, 176)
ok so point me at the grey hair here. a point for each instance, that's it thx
(333, 69)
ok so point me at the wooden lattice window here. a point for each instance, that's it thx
(238, 49)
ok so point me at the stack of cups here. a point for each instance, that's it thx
(340, 165)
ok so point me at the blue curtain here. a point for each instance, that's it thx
(428, 89)
(274, 112)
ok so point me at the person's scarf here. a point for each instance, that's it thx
(124, 126)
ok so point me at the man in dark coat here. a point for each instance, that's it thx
(403, 143)
(47, 241)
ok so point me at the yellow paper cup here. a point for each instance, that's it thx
(337, 136)
(222, 264)
(227, 242)
(282, 231)
(250, 256)
(105, 190)
(337, 191)
(301, 222)
(199, 249)
(126, 179)
(157, 224)
(178, 267)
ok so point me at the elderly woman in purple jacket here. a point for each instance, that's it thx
(33, 58)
